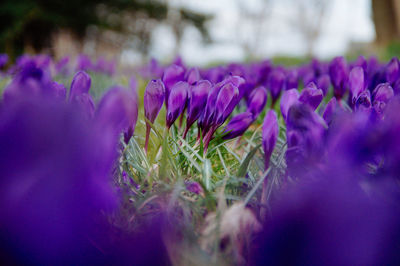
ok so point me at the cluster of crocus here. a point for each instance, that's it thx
(336, 124)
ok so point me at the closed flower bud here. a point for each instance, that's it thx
(238, 125)
(192, 75)
(289, 98)
(392, 71)
(172, 74)
(198, 94)
(275, 83)
(226, 102)
(257, 101)
(176, 101)
(80, 84)
(270, 133)
(356, 82)
(329, 110)
(152, 102)
(311, 95)
(117, 111)
(324, 82)
(338, 72)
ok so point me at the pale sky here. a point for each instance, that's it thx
(343, 22)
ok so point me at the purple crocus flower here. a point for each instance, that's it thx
(392, 71)
(226, 102)
(192, 75)
(238, 125)
(329, 111)
(152, 102)
(198, 94)
(84, 63)
(61, 67)
(59, 90)
(79, 93)
(270, 133)
(257, 101)
(176, 101)
(80, 84)
(117, 112)
(292, 79)
(275, 83)
(208, 116)
(172, 74)
(328, 222)
(338, 72)
(311, 95)
(356, 82)
(381, 96)
(289, 98)
(55, 184)
(324, 82)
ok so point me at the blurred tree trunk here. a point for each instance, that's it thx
(386, 17)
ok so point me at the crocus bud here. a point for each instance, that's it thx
(80, 84)
(381, 96)
(329, 110)
(84, 63)
(84, 102)
(152, 102)
(392, 71)
(198, 94)
(270, 133)
(238, 125)
(338, 72)
(192, 75)
(289, 98)
(117, 111)
(292, 79)
(172, 74)
(257, 101)
(153, 99)
(275, 82)
(176, 101)
(194, 187)
(356, 82)
(226, 102)
(324, 82)
(311, 95)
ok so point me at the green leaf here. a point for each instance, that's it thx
(245, 164)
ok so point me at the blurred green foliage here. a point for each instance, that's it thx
(33, 22)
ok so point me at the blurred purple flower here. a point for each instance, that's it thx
(55, 183)
(84, 63)
(172, 74)
(356, 83)
(338, 71)
(257, 101)
(194, 187)
(270, 133)
(176, 101)
(392, 71)
(363, 102)
(275, 83)
(381, 96)
(79, 93)
(117, 112)
(324, 82)
(289, 98)
(292, 79)
(329, 110)
(3, 60)
(311, 95)
(192, 75)
(238, 125)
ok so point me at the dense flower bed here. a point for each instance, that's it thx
(235, 164)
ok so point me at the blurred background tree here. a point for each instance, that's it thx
(33, 25)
